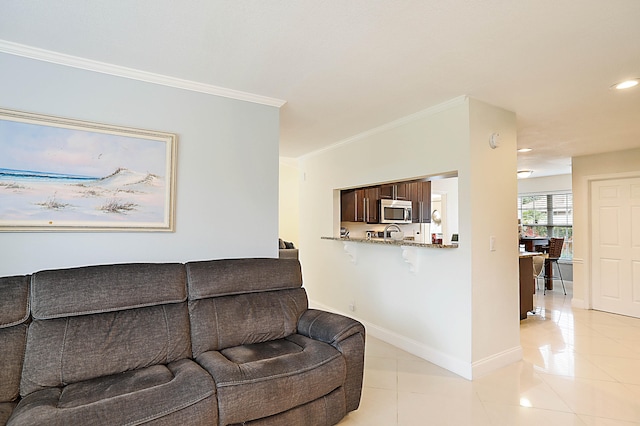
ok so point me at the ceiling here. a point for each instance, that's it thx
(345, 67)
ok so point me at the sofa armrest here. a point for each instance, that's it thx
(328, 327)
(346, 335)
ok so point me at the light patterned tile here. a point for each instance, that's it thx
(597, 398)
(422, 377)
(518, 384)
(501, 414)
(624, 370)
(599, 421)
(433, 409)
(381, 373)
(564, 363)
(377, 407)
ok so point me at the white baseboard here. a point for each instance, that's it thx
(464, 369)
(496, 361)
(578, 303)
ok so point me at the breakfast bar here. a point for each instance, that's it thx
(527, 282)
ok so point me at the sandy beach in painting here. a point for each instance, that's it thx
(123, 197)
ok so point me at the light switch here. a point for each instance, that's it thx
(492, 243)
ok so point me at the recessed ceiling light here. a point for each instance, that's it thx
(525, 150)
(523, 174)
(627, 84)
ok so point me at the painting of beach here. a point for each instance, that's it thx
(61, 174)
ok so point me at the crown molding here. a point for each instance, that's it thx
(133, 74)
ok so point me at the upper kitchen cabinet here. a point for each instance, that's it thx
(395, 191)
(420, 195)
(348, 205)
(359, 205)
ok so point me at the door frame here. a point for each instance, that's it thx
(587, 296)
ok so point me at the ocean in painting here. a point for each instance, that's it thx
(122, 198)
(10, 174)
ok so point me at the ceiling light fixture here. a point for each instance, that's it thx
(627, 84)
(523, 174)
(525, 150)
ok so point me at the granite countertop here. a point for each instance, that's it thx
(389, 242)
(525, 254)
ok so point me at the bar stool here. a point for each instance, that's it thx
(555, 251)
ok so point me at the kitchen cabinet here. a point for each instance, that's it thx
(527, 285)
(395, 191)
(420, 196)
(359, 205)
(348, 206)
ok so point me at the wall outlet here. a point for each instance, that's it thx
(492, 243)
(352, 306)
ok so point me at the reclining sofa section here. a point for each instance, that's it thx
(218, 342)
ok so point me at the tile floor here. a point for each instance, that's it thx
(579, 367)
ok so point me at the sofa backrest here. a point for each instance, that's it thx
(14, 314)
(101, 320)
(242, 301)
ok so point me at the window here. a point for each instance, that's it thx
(548, 215)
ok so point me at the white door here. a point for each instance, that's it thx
(615, 255)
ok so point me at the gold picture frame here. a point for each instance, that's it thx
(61, 174)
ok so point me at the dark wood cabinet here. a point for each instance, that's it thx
(402, 191)
(348, 205)
(371, 209)
(362, 204)
(395, 191)
(420, 196)
(359, 205)
(527, 286)
(386, 192)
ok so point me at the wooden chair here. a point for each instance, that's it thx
(555, 251)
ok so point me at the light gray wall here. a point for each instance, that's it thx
(227, 168)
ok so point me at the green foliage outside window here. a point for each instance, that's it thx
(548, 215)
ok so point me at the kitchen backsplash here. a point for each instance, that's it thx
(418, 231)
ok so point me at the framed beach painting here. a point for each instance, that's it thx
(59, 174)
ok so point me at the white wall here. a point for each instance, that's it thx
(460, 308)
(545, 184)
(227, 168)
(289, 201)
(584, 170)
(487, 202)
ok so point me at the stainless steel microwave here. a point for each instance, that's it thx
(395, 211)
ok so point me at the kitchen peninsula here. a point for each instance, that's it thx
(408, 248)
(411, 243)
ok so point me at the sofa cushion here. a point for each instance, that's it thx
(130, 398)
(14, 313)
(264, 379)
(222, 322)
(105, 288)
(12, 344)
(6, 408)
(74, 349)
(235, 276)
(14, 303)
(327, 410)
